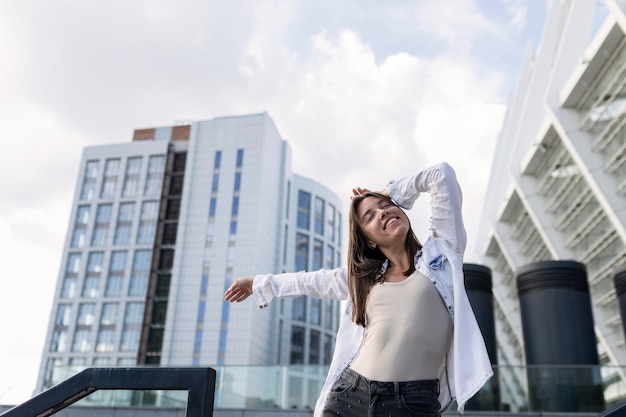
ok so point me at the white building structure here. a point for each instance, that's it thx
(162, 225)
(558, 182)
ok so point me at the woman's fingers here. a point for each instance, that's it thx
(239, 290)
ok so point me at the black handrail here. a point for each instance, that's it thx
(199, 382)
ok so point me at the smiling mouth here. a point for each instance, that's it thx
(390, 222)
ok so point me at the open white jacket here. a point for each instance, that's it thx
(440, 260)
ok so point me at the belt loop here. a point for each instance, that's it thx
(396, 388)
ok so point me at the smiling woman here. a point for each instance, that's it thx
(398, 346)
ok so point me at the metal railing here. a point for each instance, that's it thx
(198, 382)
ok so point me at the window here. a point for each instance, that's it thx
(131, 179)
(329, 258)
(297, 345)
(103, 217)
(304, 209)
(330, 223)
(314, 347)
(147, 222)
(80, 227)
(298, 311)
(134, 314)
(124, 224)
(141, 271)
(154, 178)
(59, 341)
(105, 341)
(328, 349)
(302, 252)
(130, 340)
(318, 248)
(115, 279)
(89, 180)
(85, 314)
(91, 287)
(173, 209)
(109, 181)
(94, 263)
(108, 315)
(72, 266)
(319, 216)
(81, 341)
(316, 311)
(63, 316)
(68, 290)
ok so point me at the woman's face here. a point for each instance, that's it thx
(382, 222)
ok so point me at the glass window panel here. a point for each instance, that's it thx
(318, 248)
(142, 260)
(64, 312)
(78, 238)
(218, 160)
(94, 262)
(85, 314)
(82, 215)
(130, 340)
(91, 287)
(297, 345)
(316, 311)
(81, 341)
(87, 191)
(125, 212)
(105, 341)
(118, 261)
(68, 290)
(122, 234)
(314, 347)
(131, 180)
(237, 181)
(108, 316)
(73, 263)
(304, 209)
(298, 311)
(59, 341)
(114, 286)
(319, 216)
(103, 214)
(91, 169)
(173, 209)
(138, 285)
(330, 218)
(239, 158)
(302, 252)
(134, 313)
(328, 259)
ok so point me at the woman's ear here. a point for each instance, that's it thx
(371, 244)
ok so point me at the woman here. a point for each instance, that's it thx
(408, 342)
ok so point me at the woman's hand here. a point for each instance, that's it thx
(240, 290)
(359, 191)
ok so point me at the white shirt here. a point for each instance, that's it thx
(441, 261)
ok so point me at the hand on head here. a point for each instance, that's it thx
(240, 290)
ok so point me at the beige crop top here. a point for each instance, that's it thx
(408, 332)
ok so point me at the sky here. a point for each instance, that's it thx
(364, 91)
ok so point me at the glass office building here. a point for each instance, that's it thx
(558, 183)
(162, 225)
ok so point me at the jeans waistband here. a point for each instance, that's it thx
(394, 388)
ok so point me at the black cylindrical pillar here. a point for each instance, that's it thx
(558, 328)
(619, 280)
(478, 286)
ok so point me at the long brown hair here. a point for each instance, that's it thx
(364, 262)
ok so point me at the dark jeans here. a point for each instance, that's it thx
(353, 395)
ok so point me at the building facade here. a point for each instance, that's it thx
(558, 182)
(161, 226)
